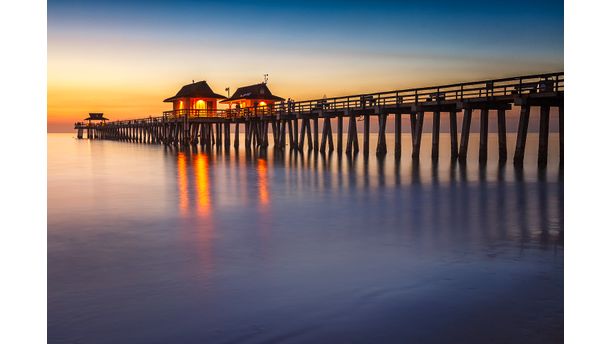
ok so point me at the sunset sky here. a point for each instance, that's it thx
(124, 57)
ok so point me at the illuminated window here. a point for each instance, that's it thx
(262, 103)
(180, 105)
(200, 105)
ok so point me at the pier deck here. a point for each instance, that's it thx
(295, 124)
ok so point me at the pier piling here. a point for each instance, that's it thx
(381, 147)
(521, 135)
(339, 128)
(435, 136)
(543, 136)
(453, 134)
(561, 133)
(484, 135)
(501, 133)
(315, 125)
(465, 134)
(418, 133)
(366, 134)
(398, 135)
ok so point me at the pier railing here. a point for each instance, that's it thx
(220, 113)
(506, 87)
(194, 113)
(545, 84)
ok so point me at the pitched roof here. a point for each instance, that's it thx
(198, 89)
(96, 116)
(257, 91)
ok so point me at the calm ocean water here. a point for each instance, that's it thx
(154, 245)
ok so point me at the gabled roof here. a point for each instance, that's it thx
(96, 116)
(198, 89)
(257, 91)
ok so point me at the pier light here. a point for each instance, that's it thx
(194, 96)
(258, 95)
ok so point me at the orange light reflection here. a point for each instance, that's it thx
(262, 173)
(182, 183)
(202, 184)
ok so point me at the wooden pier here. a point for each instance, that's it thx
(295, 125)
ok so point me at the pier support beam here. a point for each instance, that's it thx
(185, 131)
(501, 133)
(315, 124)
(236, 135)
(352, 144)
(561, 133)
(521, 135)
(295, 133)
(543, 136)
(282, 126)
(247, 134)
(257, 134)
(398, 135)
(324, 136)
(465, 134)
(203, 135)
(435, 136)
(194, 133)
(330, 136)
(226, 128)
(261, 128)
(302, 134)
(292, 144)
(366, 134)
(327, 136)
(419, 119)
(453, 135)
(340, 125)
(264, 133)
(484, 135)
(309, 134)
(381, 147)
(276, 133)
(355, 136)
(413, 126)
(177, 132)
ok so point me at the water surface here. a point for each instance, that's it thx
(154, 245)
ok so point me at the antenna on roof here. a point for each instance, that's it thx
(227, 90)
(266, 79)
